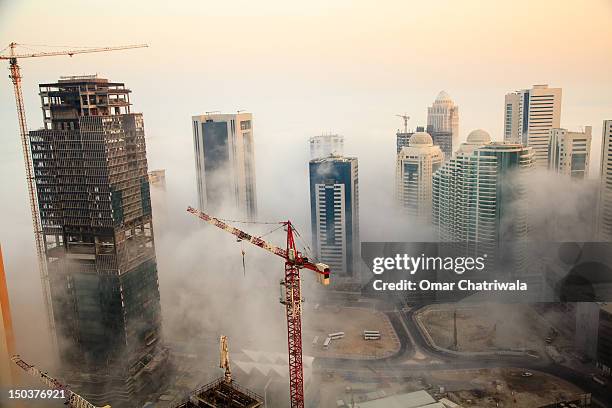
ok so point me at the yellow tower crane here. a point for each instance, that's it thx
(73, 399)
(224, 358)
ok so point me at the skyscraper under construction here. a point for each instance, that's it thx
(90, 169)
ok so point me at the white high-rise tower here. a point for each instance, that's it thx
(225, 163)
(569, 152)
(604, 219)
(415, 167)
(529, 115)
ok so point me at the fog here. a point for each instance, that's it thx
(300, 71)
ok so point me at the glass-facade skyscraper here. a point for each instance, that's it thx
(480, 198)
(90, 169)
(334, 213)
(225, 164)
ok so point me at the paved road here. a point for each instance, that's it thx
(401, 364)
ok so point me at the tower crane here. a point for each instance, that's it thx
(224, 358)
(405, 119)
(292, 297)
(13, 56)
(73, 399)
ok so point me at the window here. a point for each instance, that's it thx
(245, 124)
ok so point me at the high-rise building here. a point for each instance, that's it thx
(90, 169)
(326, 145)
(594, 334)
(479, 196)
(443, 123)
(604, 216)
(334, 212)
(402, 139)
(415, 167)
(225, 163)
(569, 152)
(529, 115)
(158, 178)
(7, 339)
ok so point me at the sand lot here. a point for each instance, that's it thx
(487, 327)
(352, 321)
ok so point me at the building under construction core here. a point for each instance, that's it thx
(90, 169)
(222, 394)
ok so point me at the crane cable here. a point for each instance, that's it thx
(260, 236)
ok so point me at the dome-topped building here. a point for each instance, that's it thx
(476, 138)
(416, 164)
(420, 139)
(479, 136)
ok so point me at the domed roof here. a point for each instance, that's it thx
(479, 136)
(420, 139)
(443, 97)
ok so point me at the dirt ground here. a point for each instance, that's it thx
(468, 388)
(483, 388)
(352, 321)
(487, 327)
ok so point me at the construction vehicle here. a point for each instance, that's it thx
(291, 298)
(72, 399)
(13, 56)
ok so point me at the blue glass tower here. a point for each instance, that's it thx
(334, 212)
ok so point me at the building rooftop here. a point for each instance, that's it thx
(220, 394)
(420, 139)
(333, 158)
(479, 136)
(443, 97)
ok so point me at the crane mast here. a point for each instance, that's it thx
(291, 299)
(224, 358)
(72, 399)
(15, 75)
(405, 119)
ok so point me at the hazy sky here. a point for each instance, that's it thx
(300, 68)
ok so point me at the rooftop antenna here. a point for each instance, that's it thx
(405, 117)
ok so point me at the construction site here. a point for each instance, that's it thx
(495, 328)
(320, 322)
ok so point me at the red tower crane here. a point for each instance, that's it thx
(292, 299)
